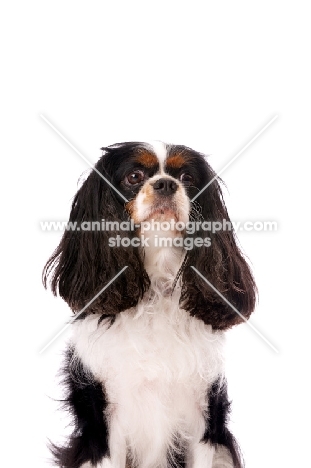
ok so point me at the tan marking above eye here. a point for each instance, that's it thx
(176, 161)
(146, 159)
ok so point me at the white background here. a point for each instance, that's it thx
(208, 75)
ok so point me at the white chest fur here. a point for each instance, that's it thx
(156, 364)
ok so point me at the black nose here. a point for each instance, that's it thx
(165, 186)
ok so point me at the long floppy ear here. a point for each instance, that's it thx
(221, 264)
(84, 263)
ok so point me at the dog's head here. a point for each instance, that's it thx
(134, 184)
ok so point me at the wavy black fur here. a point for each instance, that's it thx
(222, 264)
(83, 262)
(217, 432)
(86, 403)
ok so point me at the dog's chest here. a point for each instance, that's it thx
(156, 364)
(157, 343)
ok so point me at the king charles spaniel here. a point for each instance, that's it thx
(144, 369)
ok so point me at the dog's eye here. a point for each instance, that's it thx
(186, 178)
(135, 177)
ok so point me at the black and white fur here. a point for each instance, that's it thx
(144, 371)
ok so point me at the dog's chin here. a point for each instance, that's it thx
(162, 214)
(162, 211)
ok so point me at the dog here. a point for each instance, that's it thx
(152, 296)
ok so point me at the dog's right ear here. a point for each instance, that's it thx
(84, 262)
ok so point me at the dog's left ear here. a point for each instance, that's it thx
(223, 266)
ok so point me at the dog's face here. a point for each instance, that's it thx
(159, 181)
(151, 182)
(160, 197)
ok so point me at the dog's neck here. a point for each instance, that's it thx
(162, 265)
